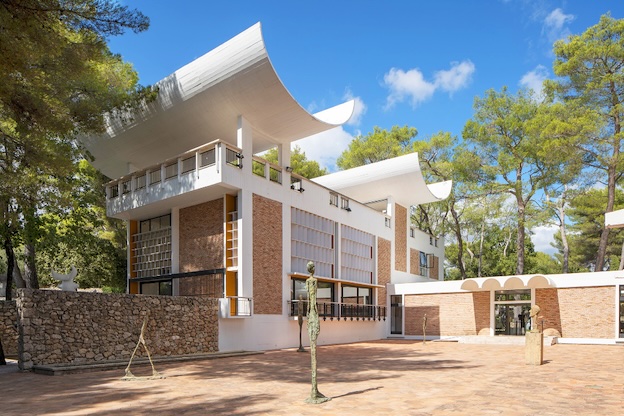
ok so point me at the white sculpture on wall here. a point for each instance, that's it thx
(67, 280)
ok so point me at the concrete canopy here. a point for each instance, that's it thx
(400, 178)
(202, 101)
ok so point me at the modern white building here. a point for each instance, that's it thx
(207, 216)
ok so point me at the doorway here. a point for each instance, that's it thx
(512, 312)
(396, 314)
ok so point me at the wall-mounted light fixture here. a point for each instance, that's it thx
(301, 190)
(288, 169)
(348, 209)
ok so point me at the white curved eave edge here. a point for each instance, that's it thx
(201, 102)
(337, 115)
(400, 178)
(614, 219)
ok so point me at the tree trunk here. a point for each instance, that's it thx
(10, 256)
(460, 244)
(520, 239)
(602, 246)
(17, 275)
(564, 238)
(481, 248)
(30, 268)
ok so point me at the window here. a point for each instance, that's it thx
(114, 190)
(151, 249)
(426, 263)
(324, 296)
(154, 177)
(126, 186)
(164, 288)
(171, 170)
(333, 199)
(412, 233)
(344, 204)
(388, 224)
(207, 158)
(356, 295)
(140, 181)
(188, 164)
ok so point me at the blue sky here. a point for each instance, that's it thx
(416, 63)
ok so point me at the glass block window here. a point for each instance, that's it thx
(356, 255)
(312, 239)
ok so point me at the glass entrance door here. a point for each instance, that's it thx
(396, 314)
(512, 319)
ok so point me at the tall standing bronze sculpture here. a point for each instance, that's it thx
(314, 327)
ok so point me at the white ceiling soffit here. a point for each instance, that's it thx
(201, 102)
(399, 177)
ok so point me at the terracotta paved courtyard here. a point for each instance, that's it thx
(371, 378)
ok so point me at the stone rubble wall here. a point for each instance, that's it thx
(8, 328)
(58, 327)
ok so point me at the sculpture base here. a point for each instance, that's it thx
(317, 400)
(534, 348)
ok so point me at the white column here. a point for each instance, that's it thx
(245, 212)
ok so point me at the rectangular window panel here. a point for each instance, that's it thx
(171, 171)
(141, 181)
(207, 158)
(188, 164)
(155, 176)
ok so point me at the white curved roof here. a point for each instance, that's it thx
(201, 102)
(399, 177)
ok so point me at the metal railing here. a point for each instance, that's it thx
(239, 306)
(337, 310)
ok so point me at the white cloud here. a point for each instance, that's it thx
(542, 238)
(412, 84)
(359, 109)
(555, 25)
(325, 147)
(534, 80)
(456, 78)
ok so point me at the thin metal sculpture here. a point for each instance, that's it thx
(300, 320)
(425, 329)
(314, 327)
(155, 374)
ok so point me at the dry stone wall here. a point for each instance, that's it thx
(59, 327)
(8, 328)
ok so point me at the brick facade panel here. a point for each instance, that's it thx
(202, 240)
(267, 255)
(414, 261)
(400, 238)
(384, 268)
(448, 314)
(586, 312)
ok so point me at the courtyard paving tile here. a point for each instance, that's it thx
(387, 377)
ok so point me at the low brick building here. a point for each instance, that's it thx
(578, 307)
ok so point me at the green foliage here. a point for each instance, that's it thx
(506, 132)
(591, 71)
(59, 80)
(298, 162)
(587, 215)
(379, 145)
(82, 236)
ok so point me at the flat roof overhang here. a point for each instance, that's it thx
(202, 102)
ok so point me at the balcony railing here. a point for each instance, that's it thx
(336, 310)
(177, 168)
(235, 307)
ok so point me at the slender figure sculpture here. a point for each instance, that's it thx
(314, 327)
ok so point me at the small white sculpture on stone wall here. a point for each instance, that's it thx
(67, 280)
